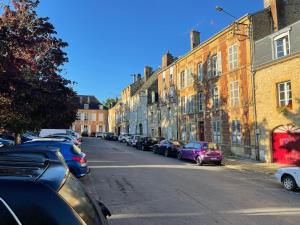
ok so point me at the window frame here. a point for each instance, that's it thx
(215, 101)
(201, 103)
(216, 132)
(281, 36)
(236, 132)
(233, 63)
(234, 100)
(200, 71)
(288, 102)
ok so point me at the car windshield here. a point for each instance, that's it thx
(177, 143)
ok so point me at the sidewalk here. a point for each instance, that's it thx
(251, 165)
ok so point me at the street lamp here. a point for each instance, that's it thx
(236, 25)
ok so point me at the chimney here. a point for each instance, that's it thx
(194, 38)
(147, 72)
(134, 78)
(167, 59)
(272, 4)
(139, 77)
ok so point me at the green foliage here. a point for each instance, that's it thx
(33, 94)
(110, 102)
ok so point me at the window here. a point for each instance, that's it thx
(171, 74)
(183, 105)
(284, 94)
(214, 61)
(172, 91)
(164, 77)
(236, 132)
(234, 93)
(153, 96)
(190, 104)
(169, 113)
(216, 131)
(215, 97)
(282, 45)
(233, 56)
(152, 117)
(200, 72)
(86, 106)
(182, 79)
(86, 116)
(190, 76)
(200, 101)
(159, 115)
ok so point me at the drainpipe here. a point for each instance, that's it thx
(257, 153)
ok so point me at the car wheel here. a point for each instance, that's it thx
(289, 183)
(179, 156)
(219, 163)
(199, 161)
(167, 153)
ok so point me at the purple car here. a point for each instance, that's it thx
(201, 152)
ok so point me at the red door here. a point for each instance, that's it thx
(286, 145)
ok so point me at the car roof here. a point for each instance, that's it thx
(36, 164)
(48, 141)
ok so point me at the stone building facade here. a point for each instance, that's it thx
(92, 116)
(277, 76)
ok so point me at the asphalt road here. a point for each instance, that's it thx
(141, 188)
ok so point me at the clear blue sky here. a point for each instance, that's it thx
(111, 39)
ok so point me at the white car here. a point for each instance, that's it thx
(289, 177)
(1, 145)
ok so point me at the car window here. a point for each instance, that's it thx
(189, 146)
(6, 214)
(197, 145)
(76, 149)
(75, 195)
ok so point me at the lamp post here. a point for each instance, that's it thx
(249, 27)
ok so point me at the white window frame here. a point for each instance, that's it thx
(233, 56)
(164, 77)
(234, 93)
(182, 79)
(215, 97)
(214, 65)
(236, 134)
(275, 39)
(153, 96)
(287, 101)
(200, 72)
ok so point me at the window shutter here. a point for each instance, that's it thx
(209, 67)
(219, 63)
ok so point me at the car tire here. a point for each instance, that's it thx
(154, 151)
(199, 161)
(289, 183)
(179, 156)
(219, 163)
(167, 153)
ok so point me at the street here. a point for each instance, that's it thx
(142, 188)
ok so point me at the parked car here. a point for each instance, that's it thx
(7, 136)
(289, 177)
(74, 157)
(201, 152)
(167, 148)
(28, 136)
(101, 135)
(1, 145)
(111, 137)
(38, 189)
(7, 142)
(65, 136)
(146, 143)
(123, 137)
(134, 140)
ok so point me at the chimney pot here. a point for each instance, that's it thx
(167, 59)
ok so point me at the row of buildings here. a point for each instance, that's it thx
(240, 88)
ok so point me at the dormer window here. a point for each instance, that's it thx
(282, 45)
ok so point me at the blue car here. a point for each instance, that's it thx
(74, 157)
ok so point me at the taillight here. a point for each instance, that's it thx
(81, 160)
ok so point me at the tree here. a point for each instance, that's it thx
(110, 102)
(33, 94)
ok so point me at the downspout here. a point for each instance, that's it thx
(252, 49)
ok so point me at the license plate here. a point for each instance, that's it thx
(213, 159)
